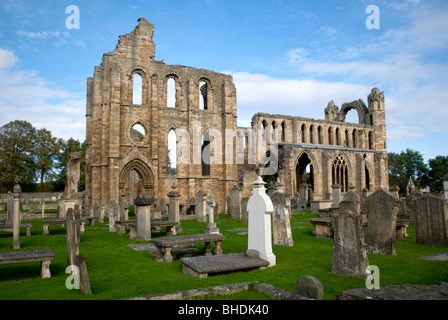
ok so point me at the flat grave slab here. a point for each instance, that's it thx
(442, 256)
(201, 267)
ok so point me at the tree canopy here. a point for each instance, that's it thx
(32, 156)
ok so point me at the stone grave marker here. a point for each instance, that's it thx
(281, 218)
(260, 209)
(382, 209)
(349, 253)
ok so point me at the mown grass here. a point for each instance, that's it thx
(117, 272)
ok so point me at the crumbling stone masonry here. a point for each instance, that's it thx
(128, 124)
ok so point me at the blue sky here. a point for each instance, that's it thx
(287, 57)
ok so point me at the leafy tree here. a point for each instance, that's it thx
(438, 167)
(65, 149)
(17, 143)
(407, 164)
(45, 152)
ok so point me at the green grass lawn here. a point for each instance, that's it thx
(117, 272)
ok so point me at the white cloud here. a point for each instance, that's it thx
(26, 96)
(7, 59)
(305, 98)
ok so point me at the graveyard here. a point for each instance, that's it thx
(118, 272)
(290, 208)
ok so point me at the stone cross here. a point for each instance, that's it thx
(349, 253)
(260, 209)
(211, 226)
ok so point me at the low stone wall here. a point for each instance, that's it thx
(228, 289)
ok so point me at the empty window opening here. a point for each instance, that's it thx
(273, 131)
(171, 93)
(172, 153)
(205, 154)
(283, 133)
(138, 133)
(320, 135)
(203, 95)
(303, 133)
(137, 91)
(311, 134)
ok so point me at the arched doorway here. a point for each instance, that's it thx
(136, 178)
(304, 171)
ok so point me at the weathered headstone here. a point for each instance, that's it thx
(382, 209)
(431, 220)
(235, 203)
(296, 206)
(84, 280)
(10, 208)
(16, 217)
(309, 286)
(349, 253)
(211, 226)
(336, 198)
(173, 208)
(244, 213)
(303, 191)
(281, 219)
(111, 214)
(143, 204)
(73, 236)
(259, 230)
(445, 186)
(201, 206)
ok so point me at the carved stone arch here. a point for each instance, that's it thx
(130, 79)
(205, 94)
(303, 159)
(143, 170)
(360, 108)
(341, 170)
(177, 86)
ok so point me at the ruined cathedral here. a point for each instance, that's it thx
(130, 115)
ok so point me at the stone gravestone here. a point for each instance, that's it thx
(303, 192)
(382, 209)
(244, 213)
(173, 208)
(431, 220)
(73, 236)
(143, 204)
(84, 280)
(349, 253)
(201, 206)
(10, 208)
(296, 206)
(336, 191)
(16, 220)
(111, 214)
(211, 226)
(281, 218)
(259, 230)
(235, 203)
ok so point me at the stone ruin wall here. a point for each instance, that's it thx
(114, 154)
